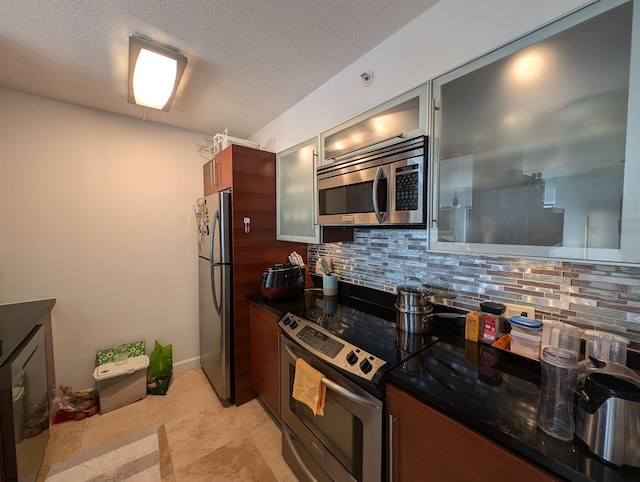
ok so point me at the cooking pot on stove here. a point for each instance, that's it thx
(412, 295)
(417, 320)
(281, 281)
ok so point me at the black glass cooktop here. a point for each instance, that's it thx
(370, 327)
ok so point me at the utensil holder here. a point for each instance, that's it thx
(330, 285)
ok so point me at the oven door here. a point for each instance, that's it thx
(343, 445)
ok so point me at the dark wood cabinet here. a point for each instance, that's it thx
(264, 342)
(423, 443)
(251, 175)
(218, 172)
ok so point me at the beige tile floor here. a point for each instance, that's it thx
(200, 440)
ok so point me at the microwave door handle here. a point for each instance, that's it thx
(334, 386)
(379, 175)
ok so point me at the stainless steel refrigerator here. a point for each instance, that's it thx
(214, 265)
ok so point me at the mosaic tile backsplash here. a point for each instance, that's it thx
(605, 297)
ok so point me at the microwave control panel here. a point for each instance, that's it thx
(407, 188)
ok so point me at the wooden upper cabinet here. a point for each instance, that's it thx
(423, 442)
(218, 172)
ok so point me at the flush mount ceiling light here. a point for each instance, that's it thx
(154, 73)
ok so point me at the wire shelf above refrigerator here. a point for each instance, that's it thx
(210, 148)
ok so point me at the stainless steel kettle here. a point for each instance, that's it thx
(608, 417)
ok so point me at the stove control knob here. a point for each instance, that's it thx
(286, 321)
(366, 366)
(352, 358)
(294, 324)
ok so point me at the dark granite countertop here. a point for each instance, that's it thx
(280, 307)
(492, 391)
(496, 393)
(16, 322)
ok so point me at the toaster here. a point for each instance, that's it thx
(608, 417)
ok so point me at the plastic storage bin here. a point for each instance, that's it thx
(526, 336)
(120, 385)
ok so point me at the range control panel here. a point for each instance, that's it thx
(330, 348)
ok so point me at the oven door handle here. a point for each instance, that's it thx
(374, 193)
(347, 393)
(337, 388)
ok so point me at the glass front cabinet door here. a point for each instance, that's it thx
(402, 117)
(536, 145)
(296, 193)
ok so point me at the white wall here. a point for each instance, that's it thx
(444, 37)
(96, 211)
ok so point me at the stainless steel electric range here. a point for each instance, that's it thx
(354, 344)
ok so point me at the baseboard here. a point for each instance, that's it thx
(185, 365)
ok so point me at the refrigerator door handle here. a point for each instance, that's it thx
(217, 304)
(215, 224)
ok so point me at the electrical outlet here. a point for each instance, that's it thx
(517, 310)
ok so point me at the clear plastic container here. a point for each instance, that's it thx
(526, 336)
(606, 346)
(526, 344)
(526, 325)
(561, 335)
(555, 411)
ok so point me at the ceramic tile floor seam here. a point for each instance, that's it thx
(268, 439)
(237, 460)
(177, 405)
(71, 434)
(196, 434)
(111, 425)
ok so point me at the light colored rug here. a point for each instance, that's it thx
(134, 457)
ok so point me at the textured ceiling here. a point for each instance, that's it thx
(249, 60)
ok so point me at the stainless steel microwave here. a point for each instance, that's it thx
(384, 187)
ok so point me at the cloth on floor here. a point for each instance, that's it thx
(308, 387)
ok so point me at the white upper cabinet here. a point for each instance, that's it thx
(403, 117)
(535, 146)
(296, 193)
